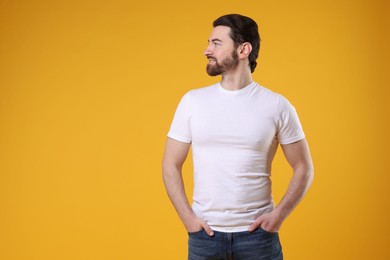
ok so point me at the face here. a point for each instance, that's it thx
(220, 52)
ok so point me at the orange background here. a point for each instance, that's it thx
(87, 94)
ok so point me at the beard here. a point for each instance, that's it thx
(227, 64)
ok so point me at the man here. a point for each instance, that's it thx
(234, 127)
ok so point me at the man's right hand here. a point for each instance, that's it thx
(174, 156)
(197, 224)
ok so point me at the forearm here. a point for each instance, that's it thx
(175, 188)
(298, 186)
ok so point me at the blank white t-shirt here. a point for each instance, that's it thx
(234, 136)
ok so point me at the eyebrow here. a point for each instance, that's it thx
(214, 40)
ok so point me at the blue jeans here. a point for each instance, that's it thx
(258, 245)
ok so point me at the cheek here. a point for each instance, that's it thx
(220, 55)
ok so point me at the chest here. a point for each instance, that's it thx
(248, 125)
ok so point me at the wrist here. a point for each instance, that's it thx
(280, 213)
(189, 219)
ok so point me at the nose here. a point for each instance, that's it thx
(207, 51)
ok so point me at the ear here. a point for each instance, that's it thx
(244, 50)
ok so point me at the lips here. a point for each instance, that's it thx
(211, 58)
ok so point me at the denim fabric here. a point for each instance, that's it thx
(258, 245)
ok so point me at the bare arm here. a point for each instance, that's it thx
(174, 157)
(298, 156)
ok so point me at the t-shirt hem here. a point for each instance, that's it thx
(292, 139)
(179, 138)
(230, 229)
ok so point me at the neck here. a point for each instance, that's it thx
(236, 79)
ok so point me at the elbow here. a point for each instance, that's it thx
(309, 174)
(165, 170)
(168, 170)
(166, 176)
(306, 171)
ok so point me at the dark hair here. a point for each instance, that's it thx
(242, 29)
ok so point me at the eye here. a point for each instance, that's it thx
(215, 43)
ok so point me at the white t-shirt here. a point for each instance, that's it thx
(234, 136)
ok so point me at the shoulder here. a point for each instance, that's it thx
(203, 91)
(272, 95)
(268, 96)
(201, 94)
(195, 96)
(275, 102)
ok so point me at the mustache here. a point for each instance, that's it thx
(209, 57)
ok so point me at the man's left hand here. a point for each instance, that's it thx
(269, 221)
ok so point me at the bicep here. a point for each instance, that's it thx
(175, 152)
(298, 154)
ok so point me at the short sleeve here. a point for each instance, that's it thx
(289, 128)
(180, 127)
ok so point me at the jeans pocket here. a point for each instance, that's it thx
(267, 232)
(195, 232)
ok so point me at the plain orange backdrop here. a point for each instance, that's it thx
(88, 90)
